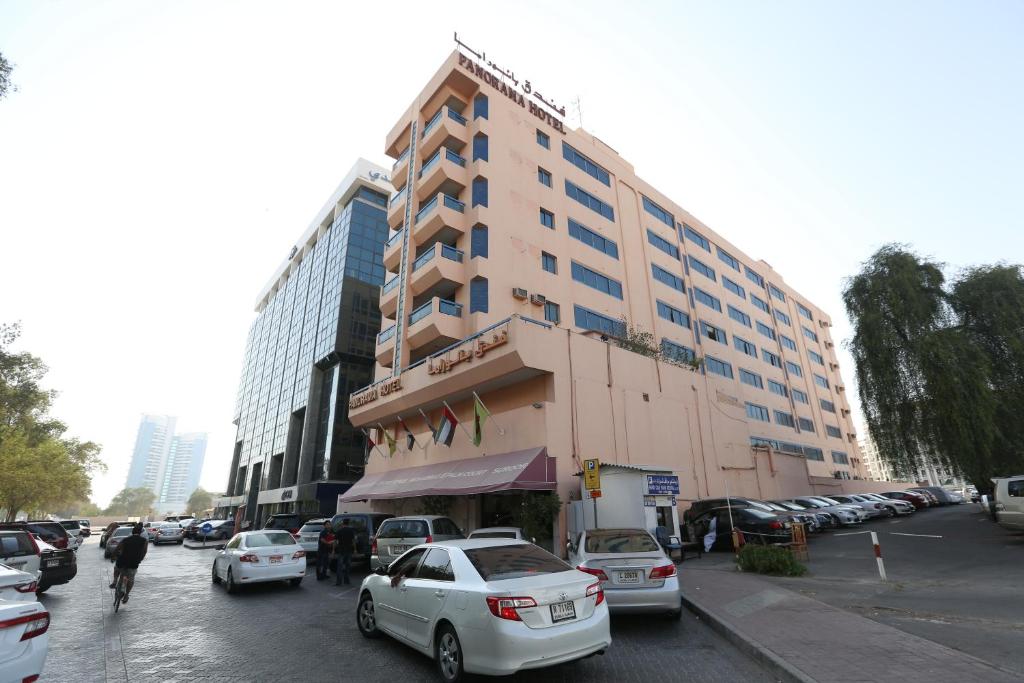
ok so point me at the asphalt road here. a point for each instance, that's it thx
(178, 626)
(955, 578)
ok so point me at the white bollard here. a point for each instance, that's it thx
(878, 556)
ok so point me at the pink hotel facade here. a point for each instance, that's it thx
(518, 247)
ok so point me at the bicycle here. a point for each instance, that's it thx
(119, 590)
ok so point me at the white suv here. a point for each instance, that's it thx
(1009, 496)
(399, 534)
(19, 551)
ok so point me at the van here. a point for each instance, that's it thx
(1009, 498)
(365, 525)
(398, 534)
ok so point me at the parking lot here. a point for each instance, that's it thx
(178, 626)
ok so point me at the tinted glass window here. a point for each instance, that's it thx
(1015, 489)
(405, 565)
(514, 561)
(311, 528)
(494, 534)
(282, 522)
(436, 566)
(759, 514)
(235, 542)
(405, 528)
(15, 545)
(446, 527)
(122, 531)
(268, 539)
(71, 525)
(619, 541)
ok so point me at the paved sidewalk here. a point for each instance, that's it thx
(802, 639)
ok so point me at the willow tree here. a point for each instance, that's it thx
(939, 367)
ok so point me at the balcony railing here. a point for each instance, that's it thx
(394, 239)
(398, 197)
(389, 285)
(450, 202)
(456, 116)
(386, 334)
(429, 125)
(454, 204)
(449, 308)
(436, 157)
(450, 253)
(444, 306)
(401, 158)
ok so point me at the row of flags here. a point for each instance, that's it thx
(443, 433)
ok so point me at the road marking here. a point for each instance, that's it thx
(896, 533)
(853, 533)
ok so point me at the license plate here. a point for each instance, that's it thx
(563, 611)
(399, 549)
(275, 559)
(52, 563)
(632, 576)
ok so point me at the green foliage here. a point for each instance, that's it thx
(6, 85)
(940, 368)
(200, 500)
(539, 513)
(133, 502)
(640, 341)
(769, 559)
(436, 505)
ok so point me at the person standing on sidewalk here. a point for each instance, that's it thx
(324, 548)
(346, 544)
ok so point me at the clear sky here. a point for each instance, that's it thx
(161, 158)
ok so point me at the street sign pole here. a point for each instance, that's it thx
(592, 482)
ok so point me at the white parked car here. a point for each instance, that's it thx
(74, 529)
(899, 507)
(20, 551)
(258, 556)
(17, 586)
(24, 640)
(487, 606)
(512, 532)
(635, 573)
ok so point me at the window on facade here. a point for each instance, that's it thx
(821, 381)
(754, 277)
(809, 333)
(784, 419)
(480, 147)
(760, 303)
(661, 243)
(787, 342)
(833, 431)
(478, 241)
(592, 278)
(667, 278)
(776, 292)
(706, 299)
(590, 320)
(816, 357)
(743, 345)
(800, 396)
(739, 316)
(827, 406)
(765, 330)
(593, 239)
(478, 295)
(659, 213)
(734, 288)
(677, 352)
(547, 219)
(794, 369)
(480, 107)
(727, 258)
(804, 311)
(806, 424)
(673, 314)
(814, 453)
(702, 268)
(711, 332)
(751, 378)
(840, 458)
(584, 163)
(777, 388)
(696, 238)
(543, 139)
(588, 200)
(782, 317)
(770, 358)
(479, 192)
(552, 312)
(718, 367)
(756, 412)
(544, 176)
(548, 262)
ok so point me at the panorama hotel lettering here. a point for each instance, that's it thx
(509, 92)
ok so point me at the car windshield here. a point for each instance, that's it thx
(493, 534)
(264, 540)
(403, 528)
(791, 506)
(282, 522)
(170, 527)
(758, 505)
(619, 541)
(70, 526)
(498, 563)
(122, 531)
(312, 528)
(830, 500)
(777, 507)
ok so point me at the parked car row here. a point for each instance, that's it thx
(24, 551)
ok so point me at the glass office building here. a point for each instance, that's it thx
(311, 344)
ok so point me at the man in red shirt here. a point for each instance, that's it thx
(324, 548)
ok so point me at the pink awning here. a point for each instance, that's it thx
(529, 470)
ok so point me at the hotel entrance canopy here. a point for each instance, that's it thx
(528, 470)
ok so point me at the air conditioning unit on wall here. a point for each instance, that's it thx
(519, 292)
(538, 299)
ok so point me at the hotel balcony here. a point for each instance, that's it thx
(385, 351)
(444, 171)
(438, 272)
(393, 251)
(447, 127)
(434, 325)
(396, 208)
(442, 218)
(400, 169)
(389, 298)
(511, 351)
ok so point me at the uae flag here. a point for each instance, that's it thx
(446, 429)
(410, 439)
(480, 415)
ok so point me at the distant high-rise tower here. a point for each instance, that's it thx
(168, 465)
(181, 474)
(152, 445)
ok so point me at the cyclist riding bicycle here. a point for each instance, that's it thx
(129, 554)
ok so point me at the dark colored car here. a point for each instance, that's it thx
(699, 507)
(290, 521)
(825, 520)
(56, 567)
(191, 530)
(758, 527)
(109, 530)
(365, 525)
(50, 532)
(916, 499)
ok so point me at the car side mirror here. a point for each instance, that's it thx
(381, 571)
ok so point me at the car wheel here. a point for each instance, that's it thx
(215, 578)
(448, 653)
(230, 585)
(366, 617)
(892, 513)
(180, 541)
(295, 582)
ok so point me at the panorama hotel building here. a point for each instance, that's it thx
(517, 249)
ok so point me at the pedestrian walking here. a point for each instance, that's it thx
(324, 548)
(345, 541)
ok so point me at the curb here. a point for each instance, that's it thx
(777, 666)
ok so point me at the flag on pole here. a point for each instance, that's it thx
(446, 429)
(392, 444)
(430, 425)
(480, 415)
(410, 439)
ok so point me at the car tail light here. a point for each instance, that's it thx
(249, 557)
(61, 543)
(298, 554)
(595, 589)
(30, 679)
(36, 624)
(599, 573)
(775, 525)
(29, 587)
(430, 539)
(373, 546)
(663, 572)
(505, 608)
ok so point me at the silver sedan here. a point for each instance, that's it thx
(635, 573)
(168, 533)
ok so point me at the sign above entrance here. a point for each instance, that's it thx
(663, 484)
(592, 476)
(373, 393)
(474, 348)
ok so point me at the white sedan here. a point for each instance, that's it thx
(258, 556)
(24, 640)
(488, 606)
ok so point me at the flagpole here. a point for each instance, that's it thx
(430, 426)
(458, 421)
(370, 439)
(409, 434)
(501, 430)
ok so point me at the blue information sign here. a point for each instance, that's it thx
(206, 528)
(662, 484)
